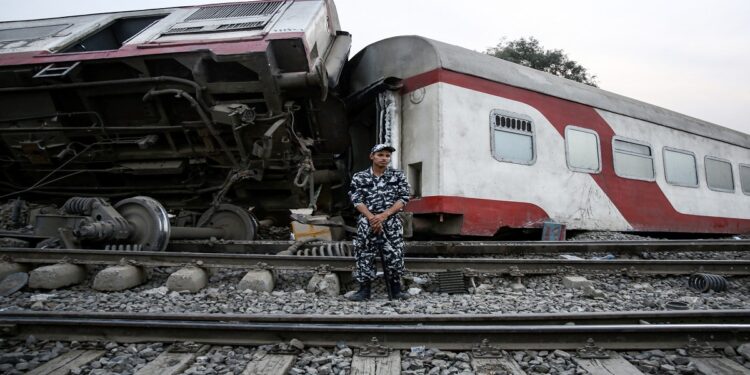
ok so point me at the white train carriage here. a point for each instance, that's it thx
(488, 144)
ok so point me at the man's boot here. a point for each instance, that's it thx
(396, 293)
(362, 294)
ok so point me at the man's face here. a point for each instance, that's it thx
(381, 158)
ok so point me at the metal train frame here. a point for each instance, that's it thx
(192, 122)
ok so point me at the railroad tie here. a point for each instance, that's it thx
(719, 366)
(490, 366)
(614, 365)
(63, 364)
(390, 365)
(172, 362)
(270, 364)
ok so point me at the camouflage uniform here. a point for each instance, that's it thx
(379, 194)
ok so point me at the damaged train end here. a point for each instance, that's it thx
(130, 129)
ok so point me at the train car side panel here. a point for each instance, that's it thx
(469, 169)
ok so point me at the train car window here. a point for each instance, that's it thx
(745, 178)
(680, 167)
(30, 33)
(415, 179)
(512, 137)
(719, 174)
(582, 150)
(633, 159)
(114, 35)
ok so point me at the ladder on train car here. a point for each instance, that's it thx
(54, 70)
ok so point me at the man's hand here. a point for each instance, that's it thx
(376, 221)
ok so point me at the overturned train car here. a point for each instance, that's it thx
(128, 129)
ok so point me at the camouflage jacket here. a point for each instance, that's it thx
(379, 193)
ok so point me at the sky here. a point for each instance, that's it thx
(690, 56)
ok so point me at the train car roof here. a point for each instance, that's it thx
(408, 56)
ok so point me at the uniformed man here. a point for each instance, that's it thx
(379, 193)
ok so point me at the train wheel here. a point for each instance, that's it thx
(237, 223)
(149, 221)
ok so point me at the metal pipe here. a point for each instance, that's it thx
(57, 114)
(62, 86)
(86, 128)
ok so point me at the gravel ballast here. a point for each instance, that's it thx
(492, 295)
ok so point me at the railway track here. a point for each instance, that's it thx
(477, 334)
(450, 332)
(385, 345)
(341, 263)
(479, 248)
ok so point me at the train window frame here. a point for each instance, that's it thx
(731, 169)
(598, 150)
(681, 151)
(31, 35)
(637, 142)
(494, 128)
(109, 24)
(739, 172)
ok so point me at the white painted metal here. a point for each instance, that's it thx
(420, 133)
(467, 168)
(686, 200)
(462, 164)
(408, 56)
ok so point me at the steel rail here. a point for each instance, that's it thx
(735, 316)
(468, 248)
(399, 336)
(422, 265)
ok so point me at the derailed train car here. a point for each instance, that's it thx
(490, 146)
(130, 129)
(207, 110)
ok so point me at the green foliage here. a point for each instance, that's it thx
(528, 52)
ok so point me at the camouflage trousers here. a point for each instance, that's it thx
(367, 246)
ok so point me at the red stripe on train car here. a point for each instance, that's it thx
(643, 204)
(482, 217)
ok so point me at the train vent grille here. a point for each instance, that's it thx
(212, 28)
(234, 11)
(184, 30)
(510, 123)
(451, 282)
(240, 26)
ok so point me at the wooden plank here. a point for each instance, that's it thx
(491, 366)
(614, 365)
(710, 366)
(62, 365)
(168, 364)
(390, 365)
(270, 364)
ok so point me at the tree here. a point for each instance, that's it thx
(529, 52)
